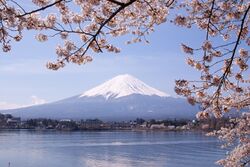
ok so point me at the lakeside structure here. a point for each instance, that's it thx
(7, 121)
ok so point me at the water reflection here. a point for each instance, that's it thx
(117, 161)
(107, 149)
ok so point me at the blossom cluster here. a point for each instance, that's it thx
(86, 28)
(90, 23)
(224, 80)
(238, 133)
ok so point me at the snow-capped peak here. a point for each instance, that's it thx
(122, 85)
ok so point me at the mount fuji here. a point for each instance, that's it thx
(122, 98)
(123, 85)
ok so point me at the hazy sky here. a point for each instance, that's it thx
(25, 80)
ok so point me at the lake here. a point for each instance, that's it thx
(27, 148)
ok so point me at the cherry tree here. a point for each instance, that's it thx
(222, 58)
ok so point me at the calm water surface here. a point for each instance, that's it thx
(107, 149)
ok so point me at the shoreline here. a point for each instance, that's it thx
(105, 130)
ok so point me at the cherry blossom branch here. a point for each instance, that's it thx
(225, 74)
(116, 2)
(93, 38)
(43, 8)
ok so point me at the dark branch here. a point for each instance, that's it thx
(116, 2)
(227, 71)
(40, 9)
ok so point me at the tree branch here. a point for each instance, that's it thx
(40, 9)
(225, 74)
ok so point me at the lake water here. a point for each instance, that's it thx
(27, 148)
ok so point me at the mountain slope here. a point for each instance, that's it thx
(121, 98)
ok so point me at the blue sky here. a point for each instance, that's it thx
(25, 79)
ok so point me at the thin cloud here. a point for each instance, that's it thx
(5, 105)
(34, 101)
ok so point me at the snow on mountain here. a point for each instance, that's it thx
(122, 85)
(121, 98)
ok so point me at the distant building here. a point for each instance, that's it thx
(144, 125)
(171, 127)
(157, 126)
(13, 122)
(93, 123)
(65, 120)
